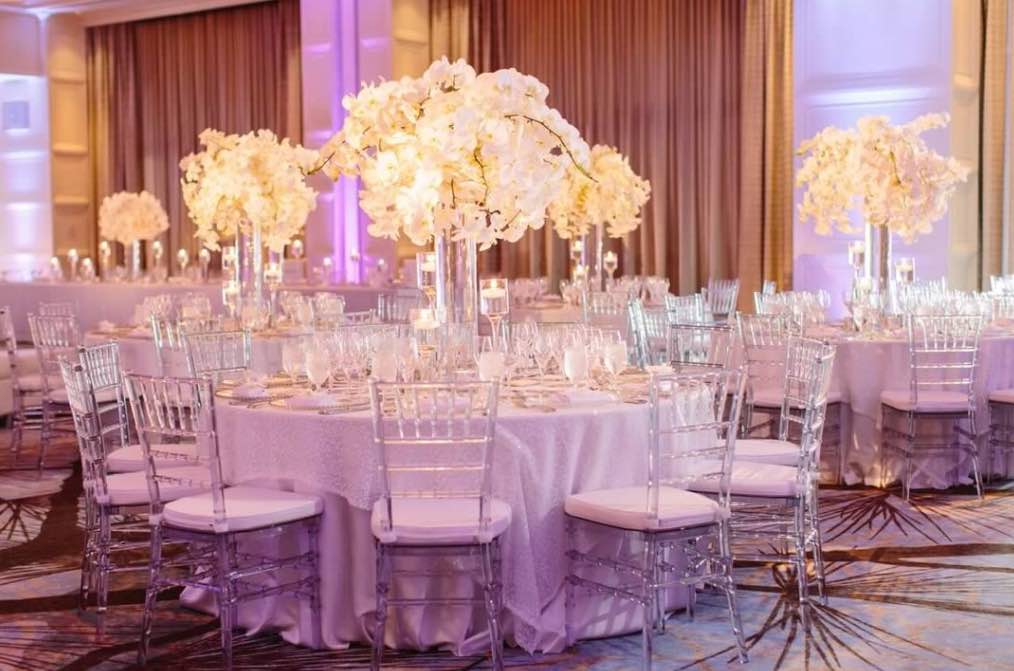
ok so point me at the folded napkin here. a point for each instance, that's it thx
(311, 401)
(583, 397)
(250, 391)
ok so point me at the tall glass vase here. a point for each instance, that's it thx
(134, 254)
(457, 281)
(250, 276)
(597, 251)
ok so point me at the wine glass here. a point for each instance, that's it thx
(293, 360)
(615, 357)
(318, 367)
(494, 303)
(575, 364)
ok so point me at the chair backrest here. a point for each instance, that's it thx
(171, 412)
(693, 422)
(649, 330)
(603, 308)
(808, 366)
(395, 308)
(721, 296)
(692, 345)
(355, 318)
(54, 337)
(687, 309)
(217, 352)
(1002, 306)
(764, 339)
(64, 309)
(943, 353)
(9, 343)
(435, 441)
(168, 335)
(101, 367)
(89, 430)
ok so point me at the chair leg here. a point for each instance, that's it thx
(491, 589)
(648, 600)
(818, 547)
(45, 433)
(313, 540)
(380, 617)
(799, 530)
(87, 556)
(151, 593)
(226, 596)
(569, 595)
(729, 587)
(103, 570)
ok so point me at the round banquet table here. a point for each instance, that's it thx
(138, 355)
(865, 367)
(540, 458)
(115, 301)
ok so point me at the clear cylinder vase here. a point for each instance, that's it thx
(598, 273)
(134, 253)
(884, 264)
(250, 276)
(457, 281)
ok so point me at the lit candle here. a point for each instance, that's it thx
(494, 290)
(72, 255)
(425, 320)
(105, 250)
(156, 250)
(328, 266)
(183, 258)
(580, 273)
(296, 248)
(577, 245)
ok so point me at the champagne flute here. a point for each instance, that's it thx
(494, 303)
(293, 360)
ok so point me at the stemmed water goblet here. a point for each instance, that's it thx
(293, 359)
(494, 303)
(610, 262)
(575, 363)
(318, 367)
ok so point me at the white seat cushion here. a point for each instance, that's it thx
(131, 489)
(767, 451)
(245, 508)
(131, 458)
(752, 479)
(929, 401)
(33, 382)
(107, 395)
(438, 521)
(772, 398)
(1002, 396)
(627, 508)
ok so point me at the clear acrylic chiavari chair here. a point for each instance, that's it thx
(57, 309)
(687, 309)
(26, 385)
(54, 337)
(435, 444)
(603, 309)
(775, 505)
(168, 335)
(218, 353)
(943, 357)
(357, 318)
(394, 308)
(1002, 307)
(692, 440)
(217, 522)
(721, 296)
(649, 330)
(701, 345)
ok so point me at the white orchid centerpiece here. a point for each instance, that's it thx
(242, 182)
(885, 172)
(614, 197)
(478, 156)
(127, 217)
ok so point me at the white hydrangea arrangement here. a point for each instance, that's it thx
(614, 197)
(127, 217)
(885, 172)
(478, 156)
(243, 181)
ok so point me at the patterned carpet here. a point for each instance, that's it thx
(927, 585)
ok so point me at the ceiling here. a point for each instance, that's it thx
(97, 12)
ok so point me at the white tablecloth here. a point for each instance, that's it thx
(865, 368)
(540, 459)
(115, 301)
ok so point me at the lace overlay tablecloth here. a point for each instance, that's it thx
(540, 458)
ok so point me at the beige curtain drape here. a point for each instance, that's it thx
(766, 152)
(689, 90)
(154, 85)
(996, 156)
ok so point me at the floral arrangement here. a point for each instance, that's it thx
(478, 156)
(886, 172)
(614, 197)
(244, 181)
(127, 217)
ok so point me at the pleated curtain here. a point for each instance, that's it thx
(154, 85)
